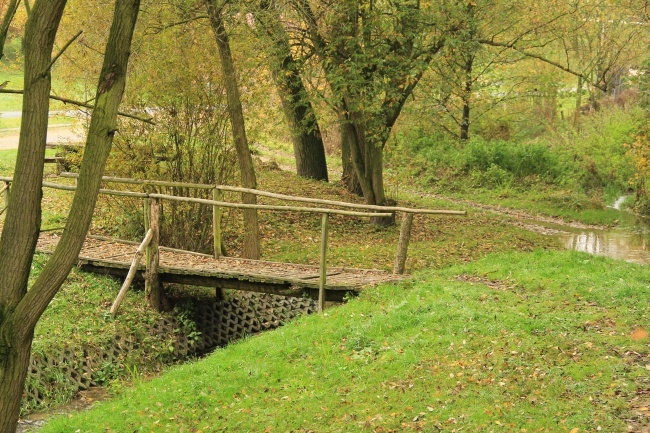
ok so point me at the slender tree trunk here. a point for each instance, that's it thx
(307, 140)
(20, 309)
(467, 96)
(251, 248)
(576, 113)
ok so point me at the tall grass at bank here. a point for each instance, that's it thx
(561, 171)
(547, 341)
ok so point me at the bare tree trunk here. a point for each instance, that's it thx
(251, 248)
(20, 309)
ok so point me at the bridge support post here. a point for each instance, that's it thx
(323, 262)
(403, 243)
(152, 286)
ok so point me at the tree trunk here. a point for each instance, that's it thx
(20, 309)
(576, 113)
(308, 147)
(349, 178)
(307, 141)
(251, 248)
(367, 157)
(15, 363)
(22, 222)
(467, 96)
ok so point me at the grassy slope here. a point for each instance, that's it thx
(522, 343)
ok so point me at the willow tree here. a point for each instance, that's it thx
(20, 308)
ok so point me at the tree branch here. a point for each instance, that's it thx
(65, 47)
(541, 58)
(82, 104)
(6, 22)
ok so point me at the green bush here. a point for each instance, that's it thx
(521, 160)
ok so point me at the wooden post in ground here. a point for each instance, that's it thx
(216, 223)
(323, 263)
(403, 244)
(152, 287)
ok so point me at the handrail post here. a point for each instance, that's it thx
(216, 223)
(7, 192)
(146, 212)
(323, 263)
(152, 286)
(403, 243)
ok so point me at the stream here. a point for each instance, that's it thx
(630, 241)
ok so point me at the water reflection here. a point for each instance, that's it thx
(618, 244)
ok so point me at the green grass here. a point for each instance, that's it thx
(8, 161)
(9, 102)
(540, 200)
(533, 342)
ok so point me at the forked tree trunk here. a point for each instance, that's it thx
(367, 160)
(251, 248)
(20, 309)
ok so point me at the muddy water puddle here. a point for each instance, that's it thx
(83, 400)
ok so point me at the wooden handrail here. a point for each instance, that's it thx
(274, 195)
(216, 203)
(126, 180)
(382, 211)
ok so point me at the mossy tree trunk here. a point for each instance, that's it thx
(251, 248)
(21, 309)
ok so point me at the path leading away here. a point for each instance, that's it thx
(56, 134)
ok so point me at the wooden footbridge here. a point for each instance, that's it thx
(168, 265)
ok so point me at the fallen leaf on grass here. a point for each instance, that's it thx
(639, 334)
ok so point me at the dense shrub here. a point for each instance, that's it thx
(519, 160)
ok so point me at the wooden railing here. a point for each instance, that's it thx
(150, 243)
(4, 190)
